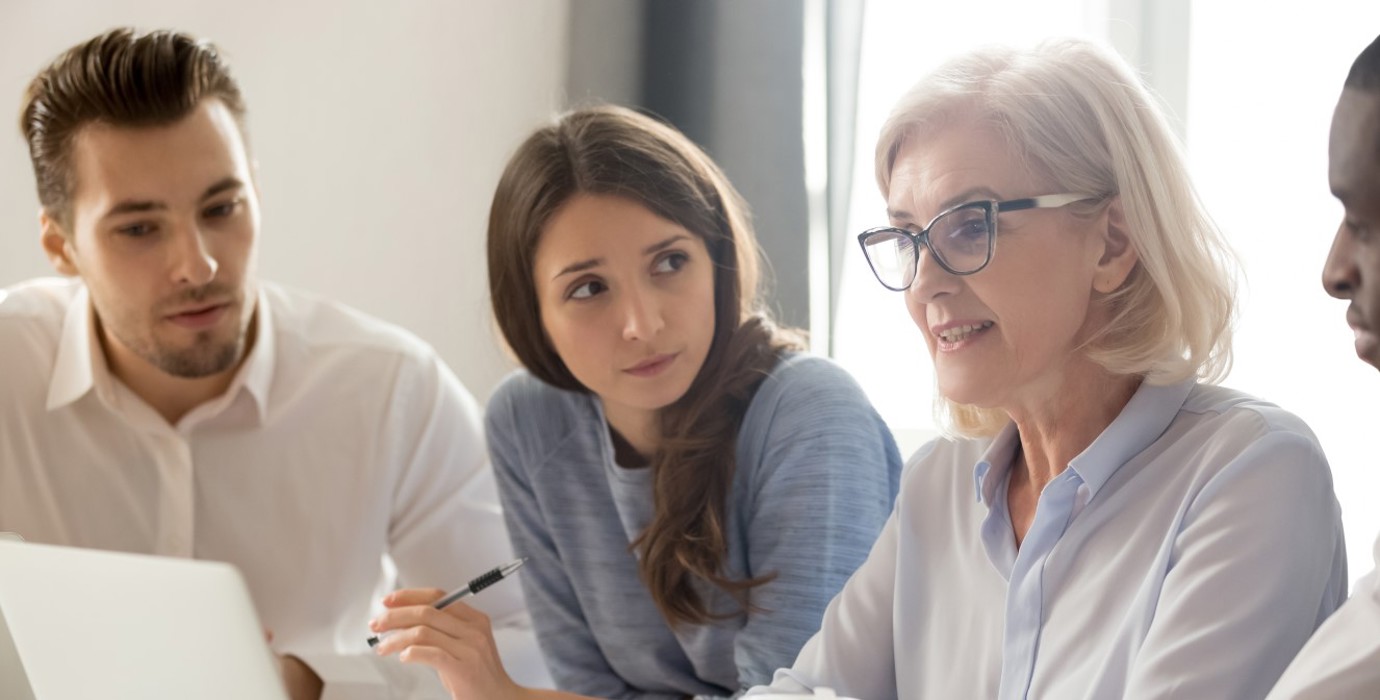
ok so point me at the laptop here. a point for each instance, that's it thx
(77, 624)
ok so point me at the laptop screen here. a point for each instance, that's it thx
(78, 624)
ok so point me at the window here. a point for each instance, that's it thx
(1257, 127)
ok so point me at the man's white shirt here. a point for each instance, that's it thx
(344, 460)
(1342, 660)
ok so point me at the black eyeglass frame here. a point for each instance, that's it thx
(990, 208)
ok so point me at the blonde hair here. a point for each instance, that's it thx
(1077, 115)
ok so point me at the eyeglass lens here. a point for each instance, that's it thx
(960, 239)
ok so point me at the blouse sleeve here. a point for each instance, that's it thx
(1342, 660)
(1257, 566)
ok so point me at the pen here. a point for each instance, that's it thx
(479, 583)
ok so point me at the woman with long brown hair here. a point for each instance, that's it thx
(690, 489)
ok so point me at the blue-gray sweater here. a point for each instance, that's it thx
(817, 471)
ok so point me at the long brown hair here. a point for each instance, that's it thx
(121, 78)
(615, 151)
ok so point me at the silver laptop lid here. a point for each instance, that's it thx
(80, 624)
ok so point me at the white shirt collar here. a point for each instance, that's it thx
(81, 366)
(75, 370)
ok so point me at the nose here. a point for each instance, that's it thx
(1341, 275)
(642, 319)
(931, 280)
(192, 262)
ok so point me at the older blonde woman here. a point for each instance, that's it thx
(1105, 523)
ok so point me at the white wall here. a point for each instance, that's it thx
(1258, 126)
(380, 131)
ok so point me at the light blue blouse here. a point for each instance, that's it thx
(1188, 552)
(817, 473)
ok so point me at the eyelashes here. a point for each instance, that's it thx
(669, 263)
(146, 228)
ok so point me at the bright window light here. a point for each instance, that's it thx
(1259, 107)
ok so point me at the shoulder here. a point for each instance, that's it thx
(542, 414)
(522, 393)
(808, 386)
(798, 369)
(320, 342)
(1219, 407)
(32, 314)
(1229, 442)
(809, 417)
(38, 303)
(321, 324)
(1229, 422)
(944, 465)
(318, 322)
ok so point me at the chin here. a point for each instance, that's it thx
(208, 355)
(663, 401)
(966, 390)
(658, 400)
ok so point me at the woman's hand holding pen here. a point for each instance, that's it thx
(458, 642)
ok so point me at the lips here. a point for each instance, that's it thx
(652, 366)
(199, 317)
(193, 310)
(1367, 340)
(1354, 319)
(954, 334)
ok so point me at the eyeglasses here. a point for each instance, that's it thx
(962, 239)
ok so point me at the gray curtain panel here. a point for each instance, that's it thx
(731, 76)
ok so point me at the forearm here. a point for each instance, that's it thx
(532, 694)
(367, 675)
(299, 680)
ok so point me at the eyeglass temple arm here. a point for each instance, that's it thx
(1048, 201)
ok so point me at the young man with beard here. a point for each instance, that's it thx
(165, 400)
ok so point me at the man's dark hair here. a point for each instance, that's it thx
(1365, 71)
(121, 78)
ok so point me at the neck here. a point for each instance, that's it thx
(1056, 430)
(171, 396)
(640, 429)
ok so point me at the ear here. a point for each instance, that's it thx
(1119, 255)
(57, 245)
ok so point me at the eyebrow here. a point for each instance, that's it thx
(595, 262)
(658, 247)
(969, 195)
(136, 206)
